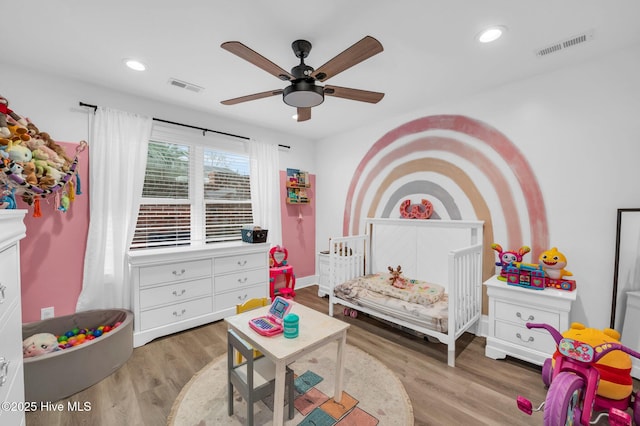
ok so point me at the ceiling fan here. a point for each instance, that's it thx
(303, 92)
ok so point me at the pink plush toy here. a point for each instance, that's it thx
(39, 344)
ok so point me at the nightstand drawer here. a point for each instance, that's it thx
(179, 271)
(175, 293)
(520, 335)
(239, 262)
(175, 313)
(522, 314)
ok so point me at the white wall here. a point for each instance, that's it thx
(580, 131)
(52, 103)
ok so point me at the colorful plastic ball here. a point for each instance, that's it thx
(76, 330)
(82, 331)
(106, 329)
(81, 336)
(67, 345)
(69, 334)
(101, 328)
(97, 333)
(117, 324)
(62, 338)
(91, 337)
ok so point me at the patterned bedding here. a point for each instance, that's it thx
(421, 303)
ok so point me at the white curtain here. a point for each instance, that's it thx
(265, 189)
(117, 161)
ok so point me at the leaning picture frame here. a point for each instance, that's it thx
(626, 272)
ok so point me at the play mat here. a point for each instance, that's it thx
(33, 166)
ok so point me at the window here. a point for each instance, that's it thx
(196, 189)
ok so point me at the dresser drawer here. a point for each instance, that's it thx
(174, 313)
(231, 299)
(10, 351)
(175, 293)
(179, 271)
(224, 283)
(522, 336)
(239, 262)
(9, 288)
(520, 315)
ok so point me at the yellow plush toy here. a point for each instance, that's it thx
(615, 367)
(553, 263)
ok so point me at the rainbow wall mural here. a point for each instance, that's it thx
(465, 168)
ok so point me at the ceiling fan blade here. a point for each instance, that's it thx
(256, 59)
(304, 114)
(364, 49)
(252, 97)
(353, 94)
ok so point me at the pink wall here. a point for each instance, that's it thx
(52, 253)
(299, 229)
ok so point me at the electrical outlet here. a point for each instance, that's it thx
(46, 313)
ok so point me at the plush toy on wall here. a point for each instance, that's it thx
(39, 344)
(553, 263)
(396, 279)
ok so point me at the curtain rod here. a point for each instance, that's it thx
(95, 107)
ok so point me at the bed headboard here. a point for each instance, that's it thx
(421, 247)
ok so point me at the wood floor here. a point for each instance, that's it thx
(478, 391)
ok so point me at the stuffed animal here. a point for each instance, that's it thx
(615, 367)
(6, 112)
(38, 344)
(508, 257)
(395, 278)
(553, 263)
(29, 172)
(19, 153)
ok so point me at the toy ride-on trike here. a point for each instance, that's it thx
(573, 383)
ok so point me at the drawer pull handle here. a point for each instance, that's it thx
(175, 292)
(519, 315)
(242, 280)
(242, 262)
(529, 340)
(2, 290)
(4, 370)
(177, 274)
(175, 314)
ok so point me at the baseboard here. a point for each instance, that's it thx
(306, 281)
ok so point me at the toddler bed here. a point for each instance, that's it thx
(441, 261)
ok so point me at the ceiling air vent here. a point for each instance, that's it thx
(184, 85)
(565, 44)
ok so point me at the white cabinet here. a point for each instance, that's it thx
(630, 334)
(323, 274)
(12, 229)
(511, 307)
(176, 290)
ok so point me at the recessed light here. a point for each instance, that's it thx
(491, 34)
(294, 116)
(135, 65)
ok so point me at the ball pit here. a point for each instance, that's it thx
(96, 344)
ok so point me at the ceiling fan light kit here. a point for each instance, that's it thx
(303, 93)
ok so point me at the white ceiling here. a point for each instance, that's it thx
(430, 55)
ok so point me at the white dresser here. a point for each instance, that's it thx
(12, 230)
(323, 274)
(173, 291)
(511, 307)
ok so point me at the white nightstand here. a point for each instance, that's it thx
(511, 307)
